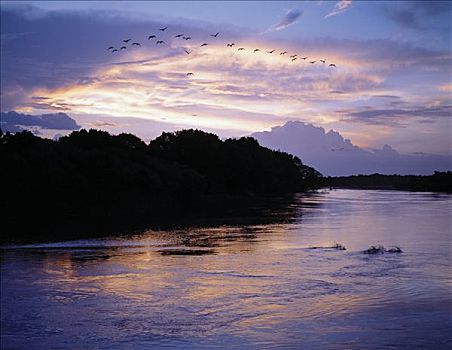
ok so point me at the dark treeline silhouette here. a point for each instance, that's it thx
(91, 182)
(438, 182)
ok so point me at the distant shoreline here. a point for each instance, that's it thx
(440, 182)
(379, 188)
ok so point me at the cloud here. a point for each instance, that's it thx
(13, 121)
(88, 80)
(290, 18)
(244, 91)
(103, 123)
(405, 18)
(340, 7)
(420, 15)
(396, 117)
(333, 155)
(232, 92)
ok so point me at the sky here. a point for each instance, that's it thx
(391, 83)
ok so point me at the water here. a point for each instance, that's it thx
(255, 287)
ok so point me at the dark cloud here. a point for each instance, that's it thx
(331, 154)
(418, 14)
(40, 98)
(395, 117)
(386, 96)
(407, 18)
(13, 121)
(290, 18)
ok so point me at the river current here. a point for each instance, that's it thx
(245, 286)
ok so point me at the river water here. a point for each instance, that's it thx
(255, 287)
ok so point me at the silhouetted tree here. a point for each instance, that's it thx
(91, 181)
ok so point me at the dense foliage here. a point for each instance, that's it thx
(91, 181)
(438, 182)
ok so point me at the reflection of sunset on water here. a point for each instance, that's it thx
(276, 283)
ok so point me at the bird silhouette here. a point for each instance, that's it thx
(205, 44)
(240, 49)
(230, 44)
(151, 36)
(111, 47)
(186, 37)
(189, 73)
(215, 35)
(332, 65)
(304, 58)
(126, 41)
(178, 35)
(159, 42)
(312, 62)
(323, 61)
(187, 52)
(255, 50)
(163, 29)
(271, 51)
(283, 53)
(115, 50)
(123, 48)
(136, 44)
(294, 58)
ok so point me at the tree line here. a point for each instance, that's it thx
(437, 182)
(90, 181)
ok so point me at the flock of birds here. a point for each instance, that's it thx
(182, 36)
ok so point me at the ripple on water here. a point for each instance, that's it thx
(252, 286)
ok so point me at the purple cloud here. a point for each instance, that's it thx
(395, 117)
(13, 121)
(333, 155)
(290, 18)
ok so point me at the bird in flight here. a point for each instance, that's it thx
(159, 42)
(255, 50)
(136, 44)
(126, 41)
(111, 47)
(215, 35)
(151, 36)
(271, 51)
(187, 52)
(190, 73)
(241, 48)
(283, 53)
(294, 58)
(304, 58)
(115, 50)
(163, 29)
(230, 45)
(178, 35)
(186, 37)
(332, 65)
(123, 48)
(205, 44)
(312, 62)
(323, 61)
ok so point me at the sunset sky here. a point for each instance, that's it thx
(391, 84)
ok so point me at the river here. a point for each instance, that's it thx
(255, 286)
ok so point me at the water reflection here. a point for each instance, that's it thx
(258, 285)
